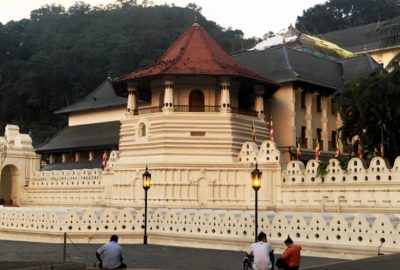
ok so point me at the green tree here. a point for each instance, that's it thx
(369, 108)
(341, 14)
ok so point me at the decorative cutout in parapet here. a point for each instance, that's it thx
(248, 153)
(268, 153)
(358, 170)
(114, 155)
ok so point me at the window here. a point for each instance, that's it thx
(333, 107)
(319, 134)
(142, 130)
(303, 100)
(303, 132)
(319, 103)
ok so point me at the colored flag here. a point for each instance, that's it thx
(298, 152)
(316, 153)
(271, 130)
(337, 154)
(359, 149)
(104, 160)
(253, 132)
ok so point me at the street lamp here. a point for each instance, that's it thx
(146, 176)
(256, 184)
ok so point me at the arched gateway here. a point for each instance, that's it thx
(9, 178)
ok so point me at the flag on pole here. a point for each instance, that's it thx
(337, 154)
(382, 151)
(271, 130)
(298, 152)
(253, 132)
(316, 153)
(359, 149)
(104, 160)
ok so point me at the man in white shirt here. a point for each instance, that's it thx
(110, 254)
(261, 252)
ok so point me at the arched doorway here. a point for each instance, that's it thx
(8, 183)
(196, 101)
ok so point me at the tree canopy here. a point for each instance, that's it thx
(59, 55)
(369, 109)
(341, 14)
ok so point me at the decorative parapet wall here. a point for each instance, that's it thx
(268, 153)
(359, 188)
(321, 234)
(65, 187)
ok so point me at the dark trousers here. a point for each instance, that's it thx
(281, 264)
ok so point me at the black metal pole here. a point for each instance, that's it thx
(65, 248)
(256, 216)
(145, 217)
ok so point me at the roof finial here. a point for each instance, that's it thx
(195, 21)
(109, 78)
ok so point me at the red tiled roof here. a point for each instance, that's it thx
(195, 52)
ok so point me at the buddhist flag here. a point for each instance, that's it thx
(316, 153)
(253, 132)
(337, 154)
(104, 160)
(298, 152)
(359, 149)
(271, 130)
(382, 151)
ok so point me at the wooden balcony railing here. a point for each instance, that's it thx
(187, 108)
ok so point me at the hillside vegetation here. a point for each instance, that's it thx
(59, 55)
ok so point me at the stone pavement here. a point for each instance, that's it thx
(138, 256)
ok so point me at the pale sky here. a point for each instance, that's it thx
(253, 17)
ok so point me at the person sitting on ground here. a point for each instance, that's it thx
(290, 258)
(261, 252)
(110, 254)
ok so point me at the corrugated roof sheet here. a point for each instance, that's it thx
(367, 37)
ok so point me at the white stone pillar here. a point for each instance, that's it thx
(52, 159)
(324, 123)
(132, 98)
(168, 96)
(308, 117)
(225, 97)
(259, 100)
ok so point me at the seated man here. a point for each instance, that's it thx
(110, 254)
(261, 251)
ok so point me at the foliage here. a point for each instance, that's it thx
(341, 14)
(59, 55)
(369, 109)
(323, 165)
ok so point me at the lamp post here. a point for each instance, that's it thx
(146, 185)
(256, 184)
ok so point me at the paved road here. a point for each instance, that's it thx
(138, 256)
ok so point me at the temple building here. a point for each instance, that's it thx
(196, 75)
(192, 139)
